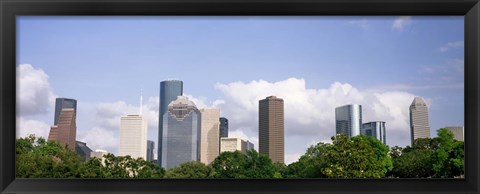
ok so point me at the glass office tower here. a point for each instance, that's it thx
(169, 90)
(181, 133)
(375, 129)
(348, 119)
(223, 127)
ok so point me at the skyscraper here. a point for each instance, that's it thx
(348, 119)
(271, 128)
(223, 127)
(181, 133)
(65, 131)
(150, 147)
(458, 132)
(375, 129)
(133, 136)
(210, 140)
(61, 103)
(169, 90)
(419, 127)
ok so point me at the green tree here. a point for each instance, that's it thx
(310, 164)
(449, 157)
(243, 165)
(37, 158)
(356, 157)
(193, 169)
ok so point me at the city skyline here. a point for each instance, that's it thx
(393, 60)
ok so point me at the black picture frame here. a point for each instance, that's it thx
(9, 9)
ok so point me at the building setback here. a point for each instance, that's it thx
(458, 132)
(65, 131)
(230, 144)
(181, 133)
(419, 127)
(223, 127)
(150, 148)
(375, 129)
(61, 103)
(210, 140)
(271, 128)
(169, 90)
(133, 136)
(348, 119)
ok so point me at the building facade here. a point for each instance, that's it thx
(348, 119)
(133, 136)
(150, 148)
(99, 154)
(375, 129)
(271, 128)
(210, 139)
(419, 126)
(223, 127)
(181, 133)
(61, 103)
(83, 150)
(230, 144)
(458, 132)
(169, 90)
(65, 131)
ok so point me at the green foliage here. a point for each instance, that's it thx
(310, 164)
(439, 157)
(37, 158)
(239, 165)
(193, 169)
(356, 157)
(449, 157)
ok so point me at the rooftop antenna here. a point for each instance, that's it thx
(141, 101)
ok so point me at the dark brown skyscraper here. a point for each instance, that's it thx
(66, 129)
(271, 128)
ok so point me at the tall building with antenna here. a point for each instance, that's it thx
(133, 135)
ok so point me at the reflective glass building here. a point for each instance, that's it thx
(348, 119)
(375, 129)
(223, 127)
(169, 90)
(181, 133)
(63, 103)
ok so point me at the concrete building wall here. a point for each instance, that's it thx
(210, 135)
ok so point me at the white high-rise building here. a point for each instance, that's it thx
(419, 127)
(133, 136)
(210, 134)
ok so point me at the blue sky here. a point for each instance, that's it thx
(315, 63)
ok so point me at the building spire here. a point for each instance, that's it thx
(141, 101)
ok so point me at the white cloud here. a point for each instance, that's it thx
(25, 127)
(451, 45)
(310, 113)
(99, 138)
(401, 23)
(34, 94)
(291, 158)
